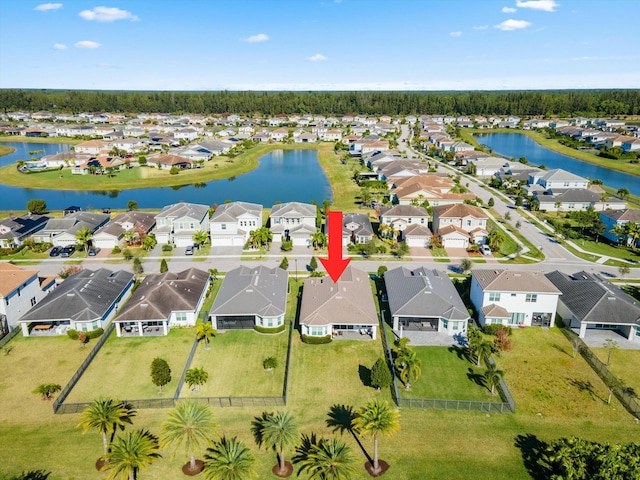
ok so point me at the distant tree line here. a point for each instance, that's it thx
(564, 103)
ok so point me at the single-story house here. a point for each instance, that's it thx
(85, 301)
(14, 230)
(590, 302)
(62, 231)
(356, 228)
(162, 301)
(343, 309)
(424, 300)
(513, 297)
(251, 297)
(613, 218)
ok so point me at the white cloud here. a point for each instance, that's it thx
(87, 44)
(511, 24)
(107, 14)
(43, 7)
(261, 37)
(318, 57)
(546, 5)
(508, 9)
(481, 27)
(59, 46)
(455, 34)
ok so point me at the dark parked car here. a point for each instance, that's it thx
(93, 251)
(55, 251)
(67, 251)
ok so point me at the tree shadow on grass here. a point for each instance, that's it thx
(365, 375)
(532, 449)
(32, 475)
(461, 352)
(341, 420)
(477, 378)
(585, 386)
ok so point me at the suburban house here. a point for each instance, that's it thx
(178, 223)
(14, 230)
(92, 147)
(517, 298)
(424, 300)
(193, 152)
(113, 233)
(162, 301)
(399, 218)
(62, 232)
(577, 199)
(232, 223)
(62, 159)
(590, 302)
(293, 221)
(20, 290)
(130, 145)
(557, 178)
(460, 224)
(435, 189)
(356, 228)
(613, 218)
(251, 297)
(344, 309)
(84, 302)
(166, 161)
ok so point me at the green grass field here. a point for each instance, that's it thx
(234, 364)
(623, 364)
(122, 367)
(447, 374)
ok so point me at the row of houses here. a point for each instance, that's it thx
(420, 300)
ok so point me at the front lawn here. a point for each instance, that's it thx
(447, 374)
(545, 379)
(122, 368)
(608, 249)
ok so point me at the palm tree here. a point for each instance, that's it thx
(623, 193)
(84, 236)
(325, 459)
(106, 415)
(557, 204)
(277, 431)
(376, 418)
(408, 365)
(318, 239)
(47, 390)
(205, 330)
(129, 236)
(131, 453)
(483, 347)
(493, 376)
(260, 237)
(149, 242)
(190, 424)
(195, 377)
(495, 239)
(603, 198)
(200, 237)
(229, 459)
(632, 230)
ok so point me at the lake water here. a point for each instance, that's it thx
(520, 145)
(285, 176)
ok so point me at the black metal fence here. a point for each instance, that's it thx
(613, 383)
(394, 385)
(9, 336)
(187, 365)
(285, 388)
(59, 400)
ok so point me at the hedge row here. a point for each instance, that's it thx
(269, 330)
(316, 340)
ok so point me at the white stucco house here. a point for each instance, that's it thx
(293, 221)
(232, 223)
(179, 222)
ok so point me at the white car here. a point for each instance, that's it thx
(485, 250)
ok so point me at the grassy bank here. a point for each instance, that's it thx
(22, 138)
(4, 150)
(344, 191)
(553, 144)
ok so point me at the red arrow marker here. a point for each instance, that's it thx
(335, 264)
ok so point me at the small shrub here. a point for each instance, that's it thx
(494, 329)
(270, 363)
(269, 330)
(174, 171)
(73, 334)
(316, 340)
(116, 250)
(126, 253)
(98, 332)
(381, 270)
(286, 246)
(167, 248)
(502, 342)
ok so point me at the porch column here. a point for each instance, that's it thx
(373, 331)
(25, 329)
(583, 329)
(165, 328)
(118, 331)
(140, 332)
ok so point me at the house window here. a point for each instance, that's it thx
(532, 297)
(468, 223)
(270, 322)
(445, 324)
(566, 184)
(422, 220)
(494, 297)
(316, 331)
(516, 318)
(223, 226)
(181, 316)
(192, 226)
(409, 219)
(276, 221)
(33, 301)
(571, 205)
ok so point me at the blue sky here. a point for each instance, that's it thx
(319, 45)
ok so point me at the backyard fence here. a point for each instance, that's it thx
(9, 336)
(184, 370)
(242, 401)
(613, 383)
(57, 403)
(287, 368)
(394, 385)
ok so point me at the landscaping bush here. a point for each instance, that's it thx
(95, 333)
(286, 246)
(316, 340)
(116, 250)
(174, 171)
(269, 330)
(494, 329)
(73, 334)
(41, 247)
(167, 248)
(270, 363)
(502, 342)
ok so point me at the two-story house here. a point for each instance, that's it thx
(402, 221)
(293, 221)
(618, 218)
(179, 222)
(460, 224)
(232, 223)
(516, 298)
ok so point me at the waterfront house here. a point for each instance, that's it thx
(293, 221)
(232, 223)
(179, 222)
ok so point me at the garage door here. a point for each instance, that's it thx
(245, 322)
(108, 243)
(183, 241)
(417, 242)
(455, 243)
